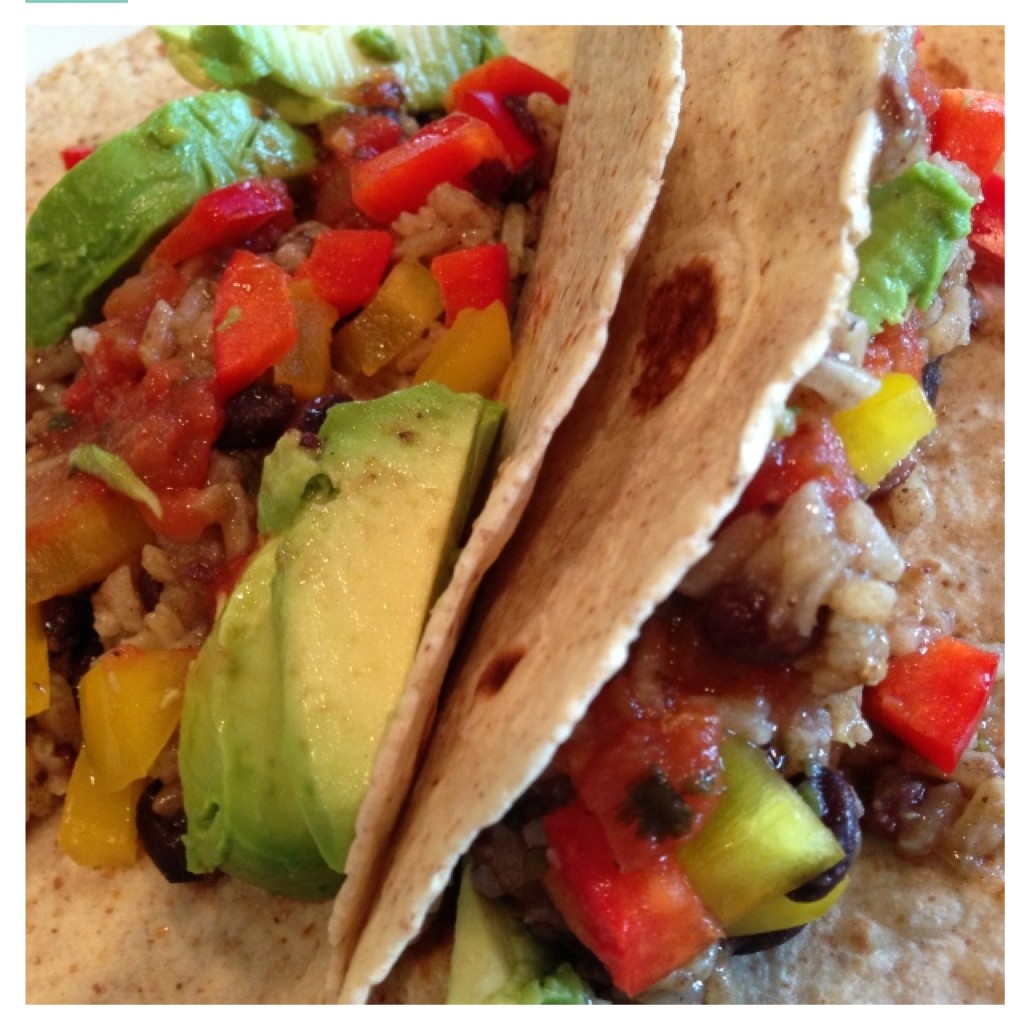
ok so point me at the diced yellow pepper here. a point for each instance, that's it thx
(761, 841)
(474, 352)
(97, 828)
(780, 913)
(307, 367)
(393, 321)
(883, 429)
(37, 663)
(131, 704)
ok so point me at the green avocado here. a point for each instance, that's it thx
(289, 697)
(496, 960)
(307, 72)
(356, 577)
(916, 219)
(239, 798)
(103, 213)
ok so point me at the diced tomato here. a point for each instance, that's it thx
(164, 428)
(130, 305)
(486, 106)
(933, 699)
(988, 233)
(445, 151)
(183, 517)
(970, 126)
(472, 278)
(899, 348)
(356, 136)
(506, 76)
(109, 371)
(651, 782)
(75, 155)
(641, 924)
(813, 452)
(226, 217)
(253, 321)
(346, 267)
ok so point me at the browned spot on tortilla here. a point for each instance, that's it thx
(497, 671)
(948, 75)
(682, 316)
(790, 32)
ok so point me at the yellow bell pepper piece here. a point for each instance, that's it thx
(761, 841)
(474, 352)
(37, 663)
(97, 828)
(307, 366)
(883, 429)
(131, 704)
(393, 321)
(780, 912)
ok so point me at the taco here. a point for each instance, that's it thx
(234, 317)
(729, 634)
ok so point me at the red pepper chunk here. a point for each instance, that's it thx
(253, 321)
(346, 267)
(227, 216)
(399, 180)
(813, 452)
(933, 699)
(642, 924)
(505, 76)
(970, 126)
(988, 233)
(488, 107)
(472, 278)
(75, 155)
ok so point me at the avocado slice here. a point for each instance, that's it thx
(307, 72)
(496, 960)
(356, 577)
(239, 800)
(103, 213)
(916, 219)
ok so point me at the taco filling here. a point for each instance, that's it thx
(793, 690)
(282, 410)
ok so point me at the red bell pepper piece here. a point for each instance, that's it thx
(472, 278)
(253, 321)
(970, 126)
(641, 924)
(933, 699)
(488, 107)
(505, 76)
(400, 179)
(74, 154)
(227, 216)
(988, 232)
(346, 267)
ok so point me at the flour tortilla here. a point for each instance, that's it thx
(747, 263)
(129, 936)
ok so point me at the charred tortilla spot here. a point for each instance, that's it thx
(682, 317)
(497, 671)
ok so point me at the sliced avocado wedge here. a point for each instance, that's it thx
(103, 213)
(356, 577)
(496, 960)
(239, 801)
(307, 72)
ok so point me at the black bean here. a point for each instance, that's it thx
(256, 417)
(895, 796)
(894, 478)
(747, 944)
(309, 417)
(931, 380)
(67, 621)
(735, 618)
(161, 836)
(840, 813)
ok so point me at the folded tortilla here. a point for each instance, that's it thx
(746, 266)
(128, 936)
